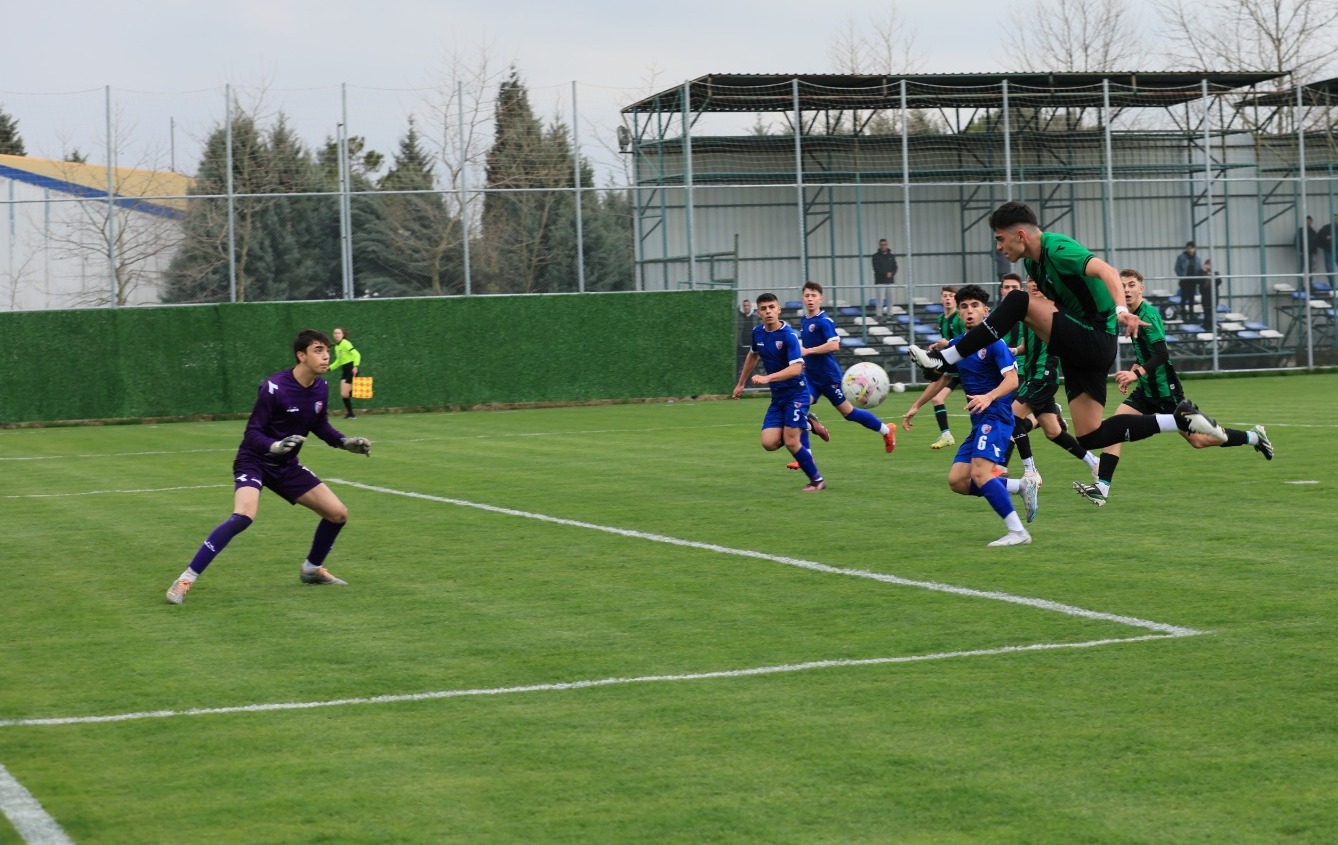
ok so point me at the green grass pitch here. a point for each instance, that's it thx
(626, 624)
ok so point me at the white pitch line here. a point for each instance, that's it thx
(34, 825)
(109, 492)
(577, 685)
(1041, 604)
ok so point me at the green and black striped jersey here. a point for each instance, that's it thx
(950, 325)
(1061, 276)
(1161, 381)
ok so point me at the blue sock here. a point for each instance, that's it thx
(326, 532)
(865, 419)
(218, 540)
(995, 492)
(805, 459)
(803, 437)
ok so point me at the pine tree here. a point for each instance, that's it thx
(413, 245)
(11, 143)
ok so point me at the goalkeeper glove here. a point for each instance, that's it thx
(360, 445)
(286, 445)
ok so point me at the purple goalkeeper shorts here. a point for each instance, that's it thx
(290, 480)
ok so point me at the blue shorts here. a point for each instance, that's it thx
(832, 391)
(790, 412)
(988, 439)
(290, 480)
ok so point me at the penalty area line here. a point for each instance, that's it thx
(579, 685)
(34, 824)
(1039, 604)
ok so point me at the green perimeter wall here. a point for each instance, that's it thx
(196, 360)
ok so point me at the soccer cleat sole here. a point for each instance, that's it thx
(1088, 492)
(819, 429)
(1030, 499)
(931, 364)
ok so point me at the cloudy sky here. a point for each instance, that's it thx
(166, 62)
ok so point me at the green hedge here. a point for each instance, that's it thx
(436, 352)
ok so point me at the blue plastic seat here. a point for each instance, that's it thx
(793, 305)
(851, 342)
(1255, 325)
(849, 311)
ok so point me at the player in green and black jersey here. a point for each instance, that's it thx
(1157, 390)
(1077, 315)
(949, 326)
(1035, 405)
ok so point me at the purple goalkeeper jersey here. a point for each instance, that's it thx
(284, 407)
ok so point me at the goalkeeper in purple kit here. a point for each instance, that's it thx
(291, 405)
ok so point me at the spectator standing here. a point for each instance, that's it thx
(744, 320)
(1190, 272)
(1210, 286)
(1325, 237)
(884, 273)
(1307, 244)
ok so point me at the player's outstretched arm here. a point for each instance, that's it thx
(357, 445)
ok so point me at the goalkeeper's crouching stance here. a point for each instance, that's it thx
(290, 406)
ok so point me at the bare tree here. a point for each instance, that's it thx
(876, 46)
(1295, 37)
(1074, 36)
(137, 228)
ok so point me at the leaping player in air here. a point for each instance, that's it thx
(291, 404)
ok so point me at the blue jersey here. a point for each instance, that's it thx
(820, 369)
(778, 350)
(982, 372)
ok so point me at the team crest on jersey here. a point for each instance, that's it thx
(779, 344)
(319, 405)
(981, 354)
(986, 428)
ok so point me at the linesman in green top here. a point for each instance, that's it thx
(346, 361)
(1156, 390)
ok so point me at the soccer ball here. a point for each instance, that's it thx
(898, 387)
(865, 384)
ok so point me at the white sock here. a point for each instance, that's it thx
(1013, 522)
(1091, 460)
(884, 429)
(949, 355)
(1029, 464)
(1014, 485)
(189, 575)
(1103, 487)
(1251, 437)
(308, 566)
(1166, 422)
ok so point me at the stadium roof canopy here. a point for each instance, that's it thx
(1323, 93)
(730, 92)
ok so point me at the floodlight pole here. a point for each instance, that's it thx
(1008, 146)
(1107, 208)
(232, 199)
(906, 197)
(576, 180)
(1211, 293)
(111, 203)
(687, 177)
(464, 179)
(799, 181)
(1305, 232)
